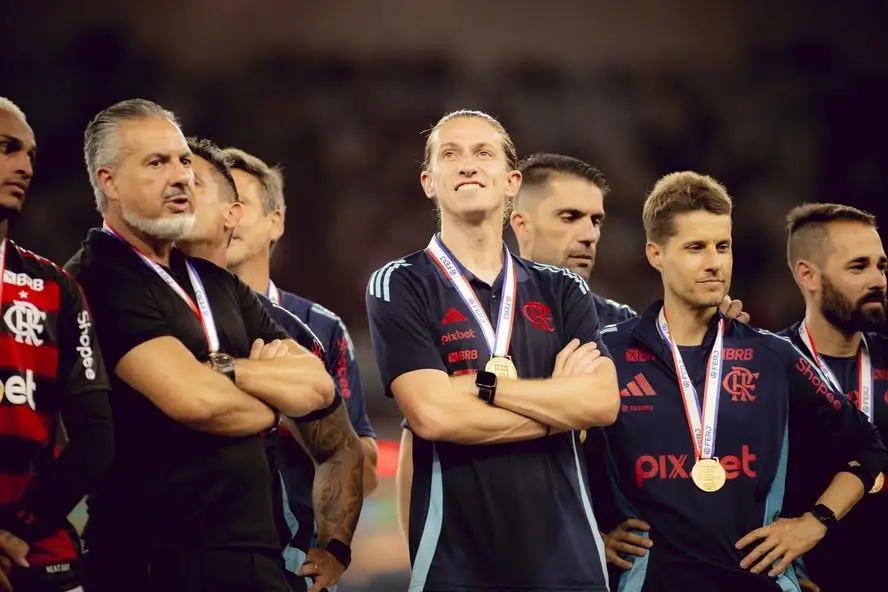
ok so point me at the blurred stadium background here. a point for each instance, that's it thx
(783, 102)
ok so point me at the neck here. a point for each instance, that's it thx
(212, 251)
(687, 325)
(155, 249)
(478, 247)
(254, 273)
(829, 339)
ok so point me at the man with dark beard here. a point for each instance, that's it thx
(837, 259)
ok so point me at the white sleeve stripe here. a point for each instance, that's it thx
(380, 281)
(584, 287)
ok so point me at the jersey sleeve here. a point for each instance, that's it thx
(81, 365)
(341, 355)
(125, 312)
(403, 339)
(580, 312)
(846, 427)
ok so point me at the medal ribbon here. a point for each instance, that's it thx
(202, 309)
(497, 341)
(2, 267)
(702, 426)
(864, 371)
(273, 293)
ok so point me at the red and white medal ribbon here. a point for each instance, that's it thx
(702, 425)
(864, 371)
(202, 309)
(497, 340)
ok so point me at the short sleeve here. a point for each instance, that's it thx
(348, 378)
(403, 339)
(126, 313)
(81, 366)
(580, 312)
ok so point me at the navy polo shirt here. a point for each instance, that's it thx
(840, 561)
(511, 516)
(765, 381)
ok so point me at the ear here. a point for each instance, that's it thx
(521, 224)
(513, 184)
(807, 275)
(654, 253)
(105, 178)
(233, 215)
(276, 220)
(428, 185)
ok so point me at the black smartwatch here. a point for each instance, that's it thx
(223, 363)
(826, 516)
(340, 551)
(486, 383)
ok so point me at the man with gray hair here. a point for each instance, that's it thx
(51, 372)
(199, 372)
(261, 191)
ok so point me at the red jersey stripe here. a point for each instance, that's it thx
(20, 287)
(42, 360)
(22, 422)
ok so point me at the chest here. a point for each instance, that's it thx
(653, 435)
(188, 324)
(537, 329)
(853, 382)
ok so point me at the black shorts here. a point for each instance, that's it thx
(62, 577)
(185, 570)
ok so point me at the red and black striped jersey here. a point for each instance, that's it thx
(48, 354)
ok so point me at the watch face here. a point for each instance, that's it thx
(486, 379)
(221, 360)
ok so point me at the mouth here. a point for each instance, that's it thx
(17, 188)
(712, 282)
(179, 203)
(469, 186)
(582, 260)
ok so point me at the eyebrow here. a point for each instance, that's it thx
(473, 146)
(18, 140)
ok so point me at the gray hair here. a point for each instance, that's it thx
(10, 107)
(270, 178)
(100, 150)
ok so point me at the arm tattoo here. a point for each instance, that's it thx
(338, 490)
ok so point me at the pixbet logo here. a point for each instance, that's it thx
(457, 335)
(84, 346)
(670, 466)
(19, 390)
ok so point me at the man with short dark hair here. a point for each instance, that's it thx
(51, 374)
(327, 433)
(837, 260)
(701, 455)
(199, 372)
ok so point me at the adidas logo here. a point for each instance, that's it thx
(638, 387)
(453, 316)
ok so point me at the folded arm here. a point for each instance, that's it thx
(162, 369)
(294, 384)
(440, 408)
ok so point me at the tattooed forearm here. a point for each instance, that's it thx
(338, 485)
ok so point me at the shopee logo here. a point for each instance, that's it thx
(807, 370)
(457, 335)
(670, 466)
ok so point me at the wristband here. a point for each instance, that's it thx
(340, 551)
(862, 474)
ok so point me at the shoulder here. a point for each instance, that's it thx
(878, 342)
(611, 311)
(778, 343)
(404, 273)
(559, 278)
(33, 270)
(209, 270)
(618, 335)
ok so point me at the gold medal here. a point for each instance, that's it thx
(709, 475)
(502, 366)
(878, 483)
(582, 436)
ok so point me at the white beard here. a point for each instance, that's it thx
(160, 228)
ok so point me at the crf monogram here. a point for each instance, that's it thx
(740, 383)
(26, 321)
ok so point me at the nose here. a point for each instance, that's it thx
(23, 165)
(878, 280)
(589, 232)
(183, 177)
(467, 166)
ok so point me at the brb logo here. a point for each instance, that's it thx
(84, 346)
(457, 335)
(670, 466)
(19, 390)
